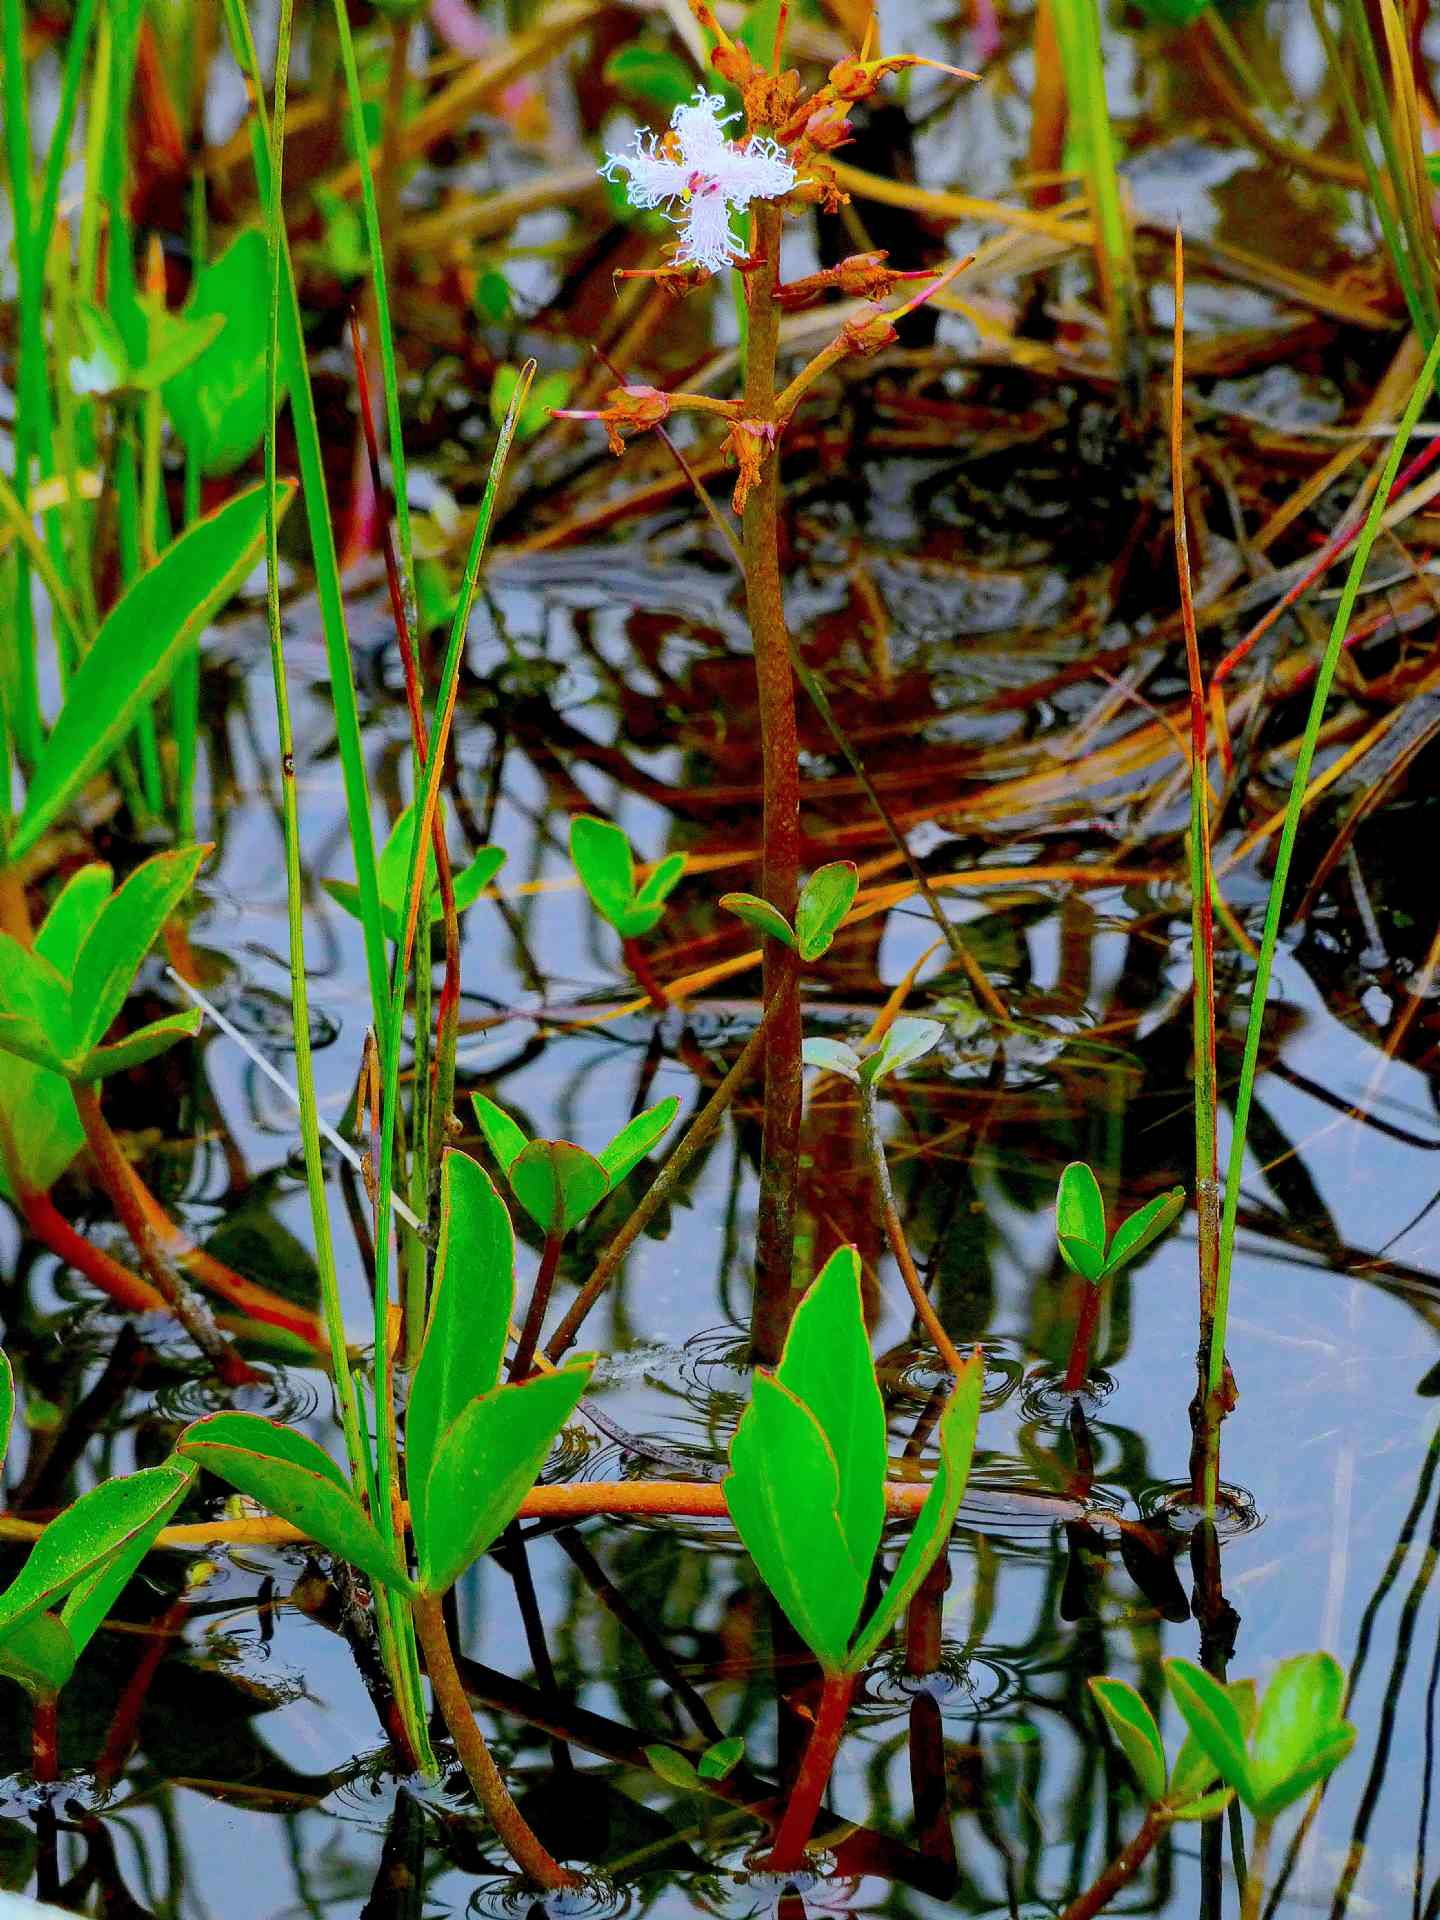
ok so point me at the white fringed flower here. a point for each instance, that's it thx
(710, 176)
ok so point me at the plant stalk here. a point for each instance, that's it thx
(895, 1231)
(523, 1360)
(45, 1739)
(521, 1842)
(1121, 1870)
(780, 867)
(1078, 1365)
(1255, 1877)
(797, 1824)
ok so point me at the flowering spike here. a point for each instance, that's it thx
(707, 173)
(631, 410)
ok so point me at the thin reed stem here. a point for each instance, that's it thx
(895, 1231)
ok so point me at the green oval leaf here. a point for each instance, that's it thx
(470, 1308)
(71, 919)
(88, 1603)
(720, 1760)
(40, 1657)
(84, 1536)
(1214, 1719)
(503, 1137)
(782, 1493)
(217, 405)
(1194, 1772)
(297, 1480)
(828, 1366)
(138, 1047)
(133, 656)
(825, 899)
(632, 1143)
(833, 1056)
(1143, 1228)
(1134, 1728)
(760, 915)
(485, 1463)
(1080, 1215)
(1081, 1257)
(605, 864)
(555, 1181)
(673, 1768)
(907, 1041)
(1300, 1735)
(931, 1532)
(124, 932)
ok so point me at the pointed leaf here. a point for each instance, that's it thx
(833, 1056)
(1299, 1721)
(217, 405)
(554, 1180)
(89, 1601)
(720, 1759)
(485, 1464)
(471, 881)
(782, 1493)
(392, 869)
(34, 1003)
(71, 918)
(826, 898)
(503, 1137)
(39, 1656)
(84, 1536)
(21, 1037)
(760, 915)
(930, 1535)
(295, 1479)
(907, 1041)
(1194, 1771)
(123, 934)
(470, 1308)
(828, 1366)
(1205, 1807)
(1136, 1733)
(1079, 1213)
(659, 884)
(632, 1143)
(673, 1768)
(138, 1047)
(132, 657)
(605, 864)
(1214, 1719)
(1143, 1228)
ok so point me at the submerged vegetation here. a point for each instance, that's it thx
(938, 786)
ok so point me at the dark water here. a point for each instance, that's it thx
(616, 676)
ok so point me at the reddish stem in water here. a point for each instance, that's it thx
(639, 965)
(1086, 1321)
(1121, 1870)
(45, 1740)
(524, 1359)
(792, 1836)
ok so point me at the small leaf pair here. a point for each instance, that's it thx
(606, 867)
(1080, 1225)
(903, 1043)
(59, 998)
(806, 1489)
(81, 1564)
(1274, 1753)
(473, 1447)
(393, 872)
(1184, 1792)
(825, 899)
(557, 1183)
(717, 1762)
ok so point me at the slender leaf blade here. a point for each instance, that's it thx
(1136, 1733)
(632, 1143)
(89, 1601)
(1214, 1719)
(1144, 1228)
(505, 1139)
(760, 915)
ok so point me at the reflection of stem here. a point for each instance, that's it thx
(657, 1193)
(793, 1834)
(520, 1839)
(775, 689)
(895, 1232)
(193, 1315)
(529, 1339)
(1255, 1878)
(1079, 1363)
(1121, 1870)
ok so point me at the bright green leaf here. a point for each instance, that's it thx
(760, 915)
(175, 344)
(1300, 1735)
(659, 884)
(931, 1533)
(605, 864)
(907, 1041)
(1215, 1720)
(84, 1536)
(138, 1047)
(833, 1056)
(1143, 1228)
(1081, 1257)
(88, 1603)
(825, 899)
(217, 405)
(1205, 1807)
(71, 919)
(295, 1479)
(485, 1463)
(557, 1182)
(1134, 1728)
(470, 1307)
(1080, 1215)
(471, 881)
(720, 1760)
(632, 1143)
(161, 613)
(1194, 1772)
(503, 1137)
(39, 1656)
(782, 1493)
(828, 1366)
(123, 933)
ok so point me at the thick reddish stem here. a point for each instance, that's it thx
(45, 1739)
(1078, 1365)
(792, 1837)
